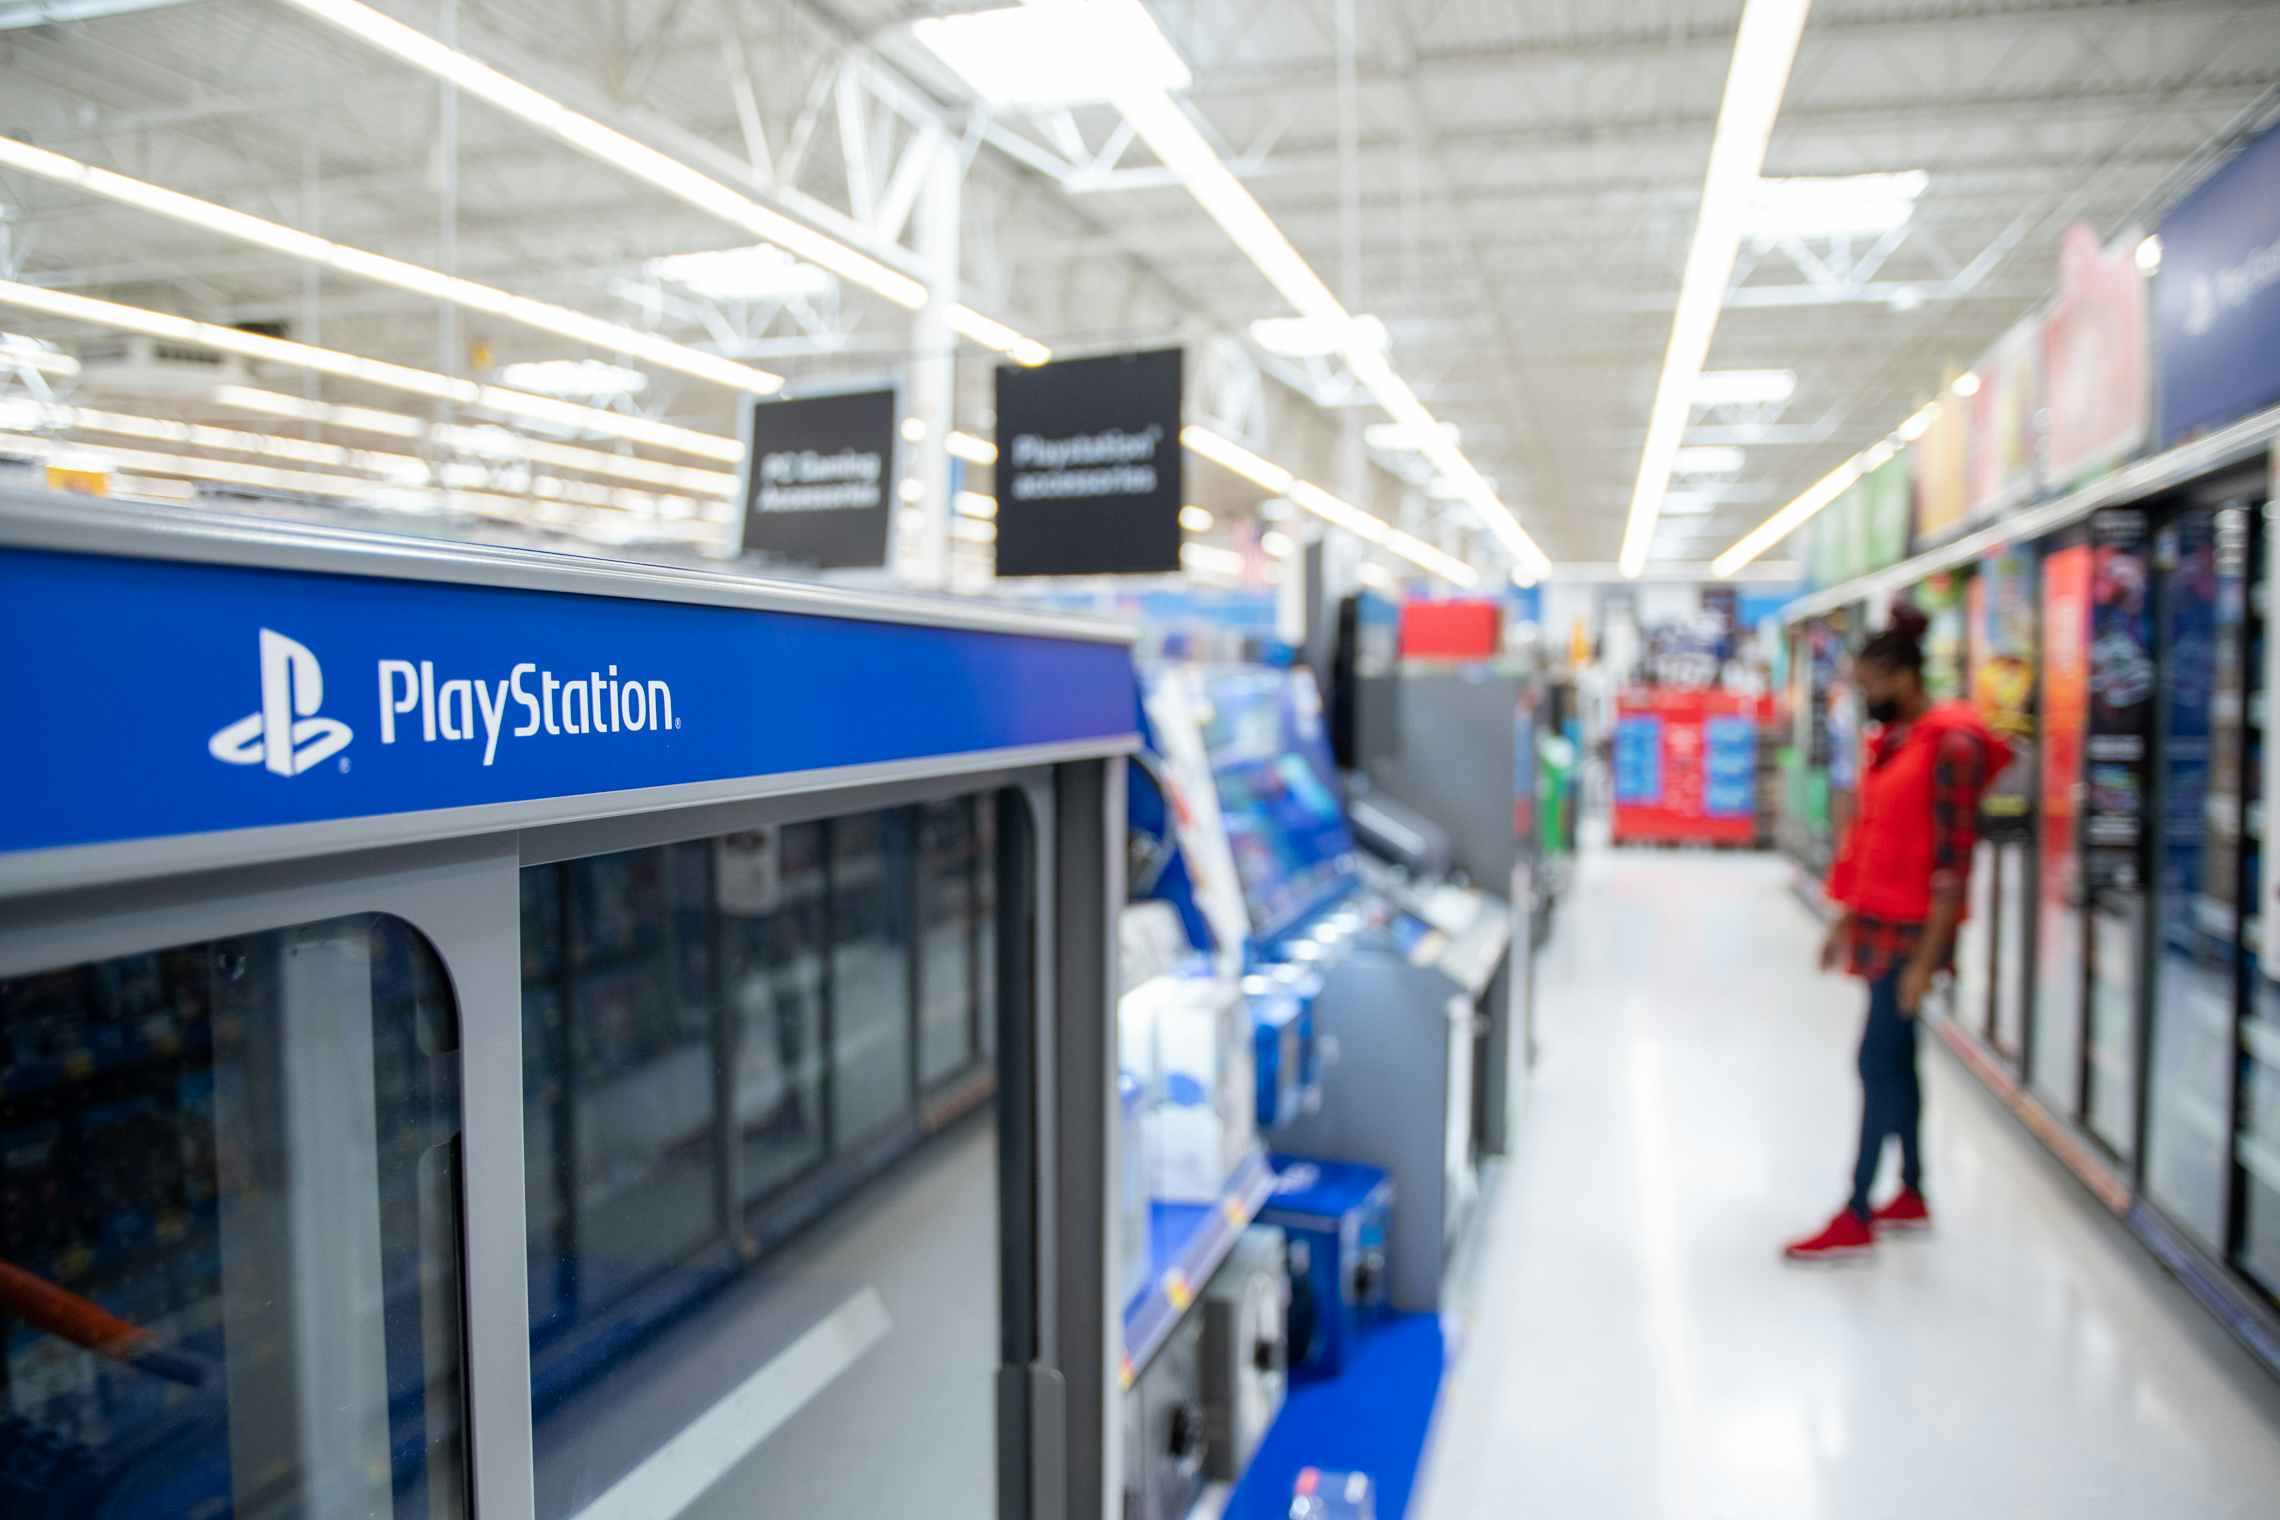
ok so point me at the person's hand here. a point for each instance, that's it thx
(1915, 982)
(1834, 946)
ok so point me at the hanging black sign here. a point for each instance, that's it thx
(1088, 471)
(819, 478)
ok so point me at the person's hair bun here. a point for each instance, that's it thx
(1910, 621)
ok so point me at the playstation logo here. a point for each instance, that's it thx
(286, 736)
(2200, 307)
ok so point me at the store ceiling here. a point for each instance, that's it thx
(1527, 176)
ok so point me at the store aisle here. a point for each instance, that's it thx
(1636, 1348)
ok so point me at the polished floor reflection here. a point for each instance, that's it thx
(1634, 1347)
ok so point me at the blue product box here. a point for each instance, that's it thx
(1278, 1028)
(1335, 1216)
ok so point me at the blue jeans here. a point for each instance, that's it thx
(1891, 1097)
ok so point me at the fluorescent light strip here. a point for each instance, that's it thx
(1763, 51)
(609, 522)
(993, 334)
(971, 448)
(1277, 481)
(975, 505)
(1210, 559)
(481, 442)
(541, 315)
(1821, 492)
(419, 382)
(609, 146)
(1160, 122)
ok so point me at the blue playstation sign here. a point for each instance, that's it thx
(2216, 300)
(149, 699)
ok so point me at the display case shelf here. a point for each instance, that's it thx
(1186, 1244)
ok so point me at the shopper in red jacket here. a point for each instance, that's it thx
(1900, 883)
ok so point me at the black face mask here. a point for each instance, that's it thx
(1884, 710)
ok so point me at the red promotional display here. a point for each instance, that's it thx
(1686, 766)
(1451, 630)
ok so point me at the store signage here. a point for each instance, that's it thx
(2096, 364)
(2000, 458)
(1936, 462)
(1089, 466)
(819, 478)
(264, 697)
(1885, 512)
(2216, 302)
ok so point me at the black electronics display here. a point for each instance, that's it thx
(1088, 471)
(819, 478)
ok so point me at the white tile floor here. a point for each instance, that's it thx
(1635, 1348)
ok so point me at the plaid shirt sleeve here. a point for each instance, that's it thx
(1957, 776)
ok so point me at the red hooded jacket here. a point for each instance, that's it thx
(1885, 867)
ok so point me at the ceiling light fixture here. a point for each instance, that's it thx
(1708, 460)
(574, 379)
(1763, 50)
(970, 447)
(609, 146)
(1159, 122)
(2149, 256)
(1210, 559)
(1401, 438)
(545, 316)
(1966, 384)
(1195, 519)
(1318, 337)
(759, 272)
(975, 504)
(1744, 387)
(1058, 53)
(376, 372)
(1841, 205)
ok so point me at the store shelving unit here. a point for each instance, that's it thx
(1186, 1244)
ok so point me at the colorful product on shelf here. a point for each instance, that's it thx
(1937, 462)
(2055, 1072)
(1334, 1216)
(1885, 504)
(2000, 459)
(2096, 358)
(1686, 766)
(2002, 673)
(1943, 597)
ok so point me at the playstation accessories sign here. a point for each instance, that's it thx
(1088, 473)
(819, 479)
(2216, 298)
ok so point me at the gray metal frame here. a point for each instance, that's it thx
(454, 876)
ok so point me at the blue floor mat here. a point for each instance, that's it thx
(1373, 1419)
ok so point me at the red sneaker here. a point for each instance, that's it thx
(1907, 1211)
(1846, 1236)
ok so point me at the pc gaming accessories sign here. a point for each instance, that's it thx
(1088, 471)
(819, 479)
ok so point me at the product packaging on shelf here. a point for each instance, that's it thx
(1246, 1349)
(1192, 1033)
(1335, 1215)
